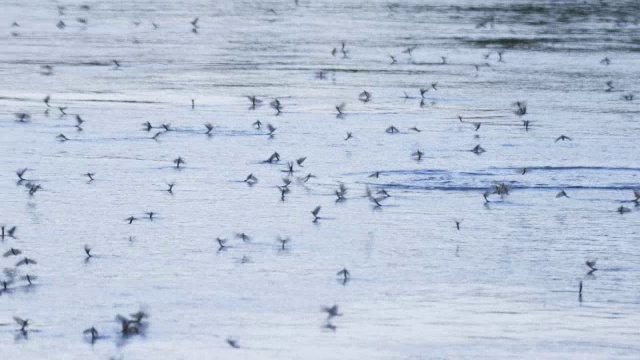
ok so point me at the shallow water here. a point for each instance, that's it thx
(504, 285)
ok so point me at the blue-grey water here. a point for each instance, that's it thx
(503, 286)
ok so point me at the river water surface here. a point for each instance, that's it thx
(504, 285)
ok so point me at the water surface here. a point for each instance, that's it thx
(504, 285)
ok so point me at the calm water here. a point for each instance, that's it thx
(504, 285)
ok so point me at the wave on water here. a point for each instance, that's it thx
(536, 178)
